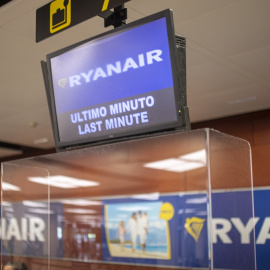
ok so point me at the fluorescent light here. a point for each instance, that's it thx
(61, 181)
(80, 211)
(242, 100)
(150, 197)
(81, 202)
(35, 204)
(10, 187)
(163, 164)
(40, 211)
(86, 218)
(174, 165)
(198, 156)
(42, 140)
(183, 163)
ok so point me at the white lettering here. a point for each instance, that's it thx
(126, 120)
(103, 111)
(132, 105)
(154, 55)
(90, 128)
(141, 60)
(91, 114)
(87, 76)
(36, 226)
(150, 101)
(130, 63)
(80, 119)
(109, 123)
(144, 117)
(244, 231)
(74, 80)
(113, 109)
(95, 113)
(141, 100)
(221, 227)
(99, 73)
(148, 58)
(21, 232)
(3, 228)
(87, 128)
(13, 230)
(265, 232)
(24, 229)
(111, 68)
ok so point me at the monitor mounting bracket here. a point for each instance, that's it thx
(116, 18)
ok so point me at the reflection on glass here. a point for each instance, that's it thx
(87, 221)
(180, 164)
(61, 181)
(7, 186)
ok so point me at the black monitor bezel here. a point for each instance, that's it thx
(173, 125)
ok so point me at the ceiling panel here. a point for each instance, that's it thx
(214, 78)
(232, 29)
(227, 103)
(255, 61)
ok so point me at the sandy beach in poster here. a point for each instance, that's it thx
(122, 219)
(117, 251)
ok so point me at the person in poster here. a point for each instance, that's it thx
(147, 234)
(121, 233)
(142, 229)
(132, 227)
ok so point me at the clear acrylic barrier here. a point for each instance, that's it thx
(25, 215)
(182, 200)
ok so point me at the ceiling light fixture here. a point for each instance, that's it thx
(34, 204)
(242, 100)
(80, 211)
(40, 211)
(183, 163)
(42, 140)
(149, 197)
(62, 181)
(6, 186)
(81, 202)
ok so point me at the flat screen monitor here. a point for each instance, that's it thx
(119, 84)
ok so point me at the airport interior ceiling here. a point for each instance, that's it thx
(227, 50)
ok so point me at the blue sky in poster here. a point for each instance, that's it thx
(122, 212)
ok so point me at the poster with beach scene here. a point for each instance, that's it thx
(138, 229)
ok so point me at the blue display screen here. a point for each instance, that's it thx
(120, 82)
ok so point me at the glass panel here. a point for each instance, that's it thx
(25, 218)
(145, 203)
(232, 226)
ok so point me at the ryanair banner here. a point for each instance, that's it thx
(169, 230)
(172, 230)
(25, 229)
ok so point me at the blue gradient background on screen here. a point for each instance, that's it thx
(108, 50)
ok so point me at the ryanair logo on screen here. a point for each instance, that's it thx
(118, 67)
(194, 227)
(62, 83)
(60, 15)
